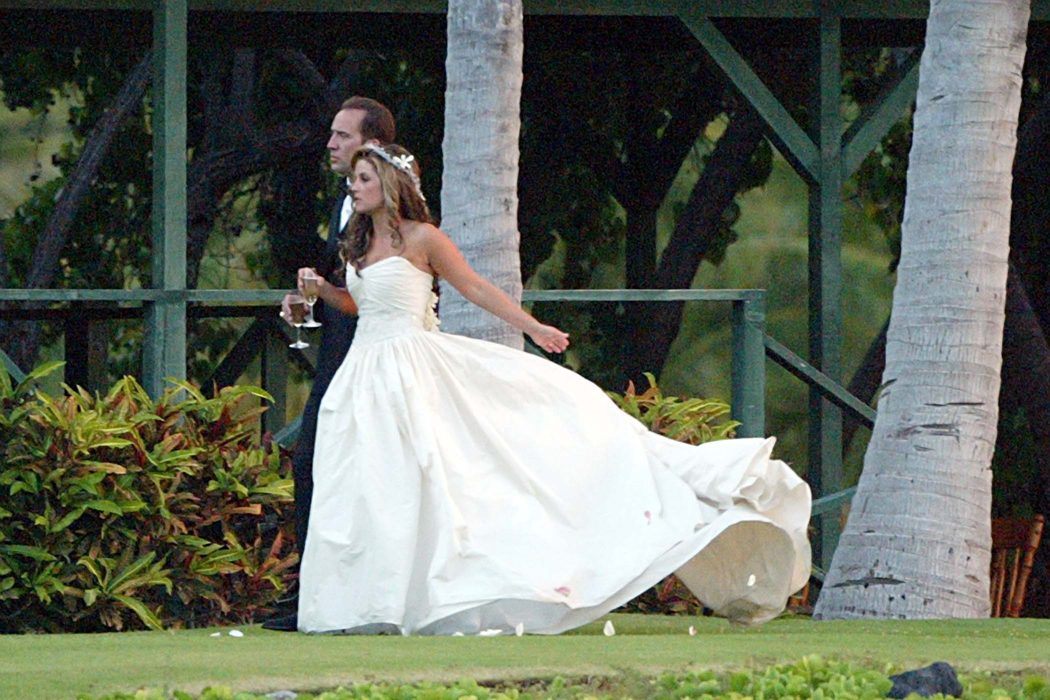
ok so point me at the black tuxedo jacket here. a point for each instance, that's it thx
(338, 328)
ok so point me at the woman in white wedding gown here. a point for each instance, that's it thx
(462, 486)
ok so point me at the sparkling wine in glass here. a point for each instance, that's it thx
(310, 292)
(298, 306)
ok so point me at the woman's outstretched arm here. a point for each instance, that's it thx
(448, 262)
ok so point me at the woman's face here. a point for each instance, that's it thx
(366, 189)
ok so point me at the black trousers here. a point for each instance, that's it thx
(303, 460)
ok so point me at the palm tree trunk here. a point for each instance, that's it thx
(917, 541)
(479, 196)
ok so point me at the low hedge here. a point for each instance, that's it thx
(125, 512)
(812, 678)
(119, 511)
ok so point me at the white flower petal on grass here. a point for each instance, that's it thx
(608, 630)
(692, 631)
(519, 629)
(457, 634)
(236, 633)
(490, 633)
(215, 634)
(751, 580)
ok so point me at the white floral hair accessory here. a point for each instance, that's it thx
(402, 163)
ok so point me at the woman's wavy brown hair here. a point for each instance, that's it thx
(401, 200)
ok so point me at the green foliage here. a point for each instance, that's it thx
(691, 420)
(812, 678)
(123, 512)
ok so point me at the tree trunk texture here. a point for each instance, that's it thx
(21, 338)
(917, 542)
(653, 158)
(695, 231)
(228, 154)
(234, 148)
(290, 213)
(479, 185)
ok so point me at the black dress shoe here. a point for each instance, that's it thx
(282, 623)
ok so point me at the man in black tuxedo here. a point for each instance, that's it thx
(360, 120)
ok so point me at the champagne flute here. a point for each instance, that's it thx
(298, 306)
(310, 292)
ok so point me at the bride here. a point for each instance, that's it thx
(462, 486)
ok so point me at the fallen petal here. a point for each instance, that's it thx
(215, 634)
(751, 580)
(457, 634)
(692, 631)
(519, 629)
(490, 633)
(609, 630)
(564, 590)
(236, 633)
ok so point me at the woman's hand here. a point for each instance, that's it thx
(310, 272)
(549, 338)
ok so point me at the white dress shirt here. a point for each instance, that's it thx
(348, 208)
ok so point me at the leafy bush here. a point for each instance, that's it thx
(811, 678)
(692, 420)
(121, 511)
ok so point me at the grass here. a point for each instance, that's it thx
(62, 666)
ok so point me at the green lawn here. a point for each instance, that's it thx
(61, 666)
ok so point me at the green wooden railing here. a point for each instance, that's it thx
(267, 338)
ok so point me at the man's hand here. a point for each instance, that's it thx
(286, 310)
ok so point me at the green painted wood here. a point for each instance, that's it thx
(580, 295)
(264, 297)
(793, 142)
(872, 126)
(13, 370)
(164, 346)
(749, 367)
(242, 354)
(825, 280)
(851, 9)
(830, 389)
(832, 504)
(286, 436)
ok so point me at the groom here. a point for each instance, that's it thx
(360, 120)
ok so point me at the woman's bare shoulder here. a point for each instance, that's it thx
(420, 232)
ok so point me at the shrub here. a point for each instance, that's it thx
(121, 511)
(692, 420)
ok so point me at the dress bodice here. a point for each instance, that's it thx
(393, 297)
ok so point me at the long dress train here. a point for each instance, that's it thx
(460, 485)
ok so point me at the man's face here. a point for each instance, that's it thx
(345, 139)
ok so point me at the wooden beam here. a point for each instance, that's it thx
(825, 278)
(872, 126)
(164, 346)
(852, 9)
(789, 137)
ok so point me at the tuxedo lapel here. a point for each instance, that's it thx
(331, 249)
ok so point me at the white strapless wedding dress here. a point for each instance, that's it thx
(460, 486)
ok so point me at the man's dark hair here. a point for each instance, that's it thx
(378, 122)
